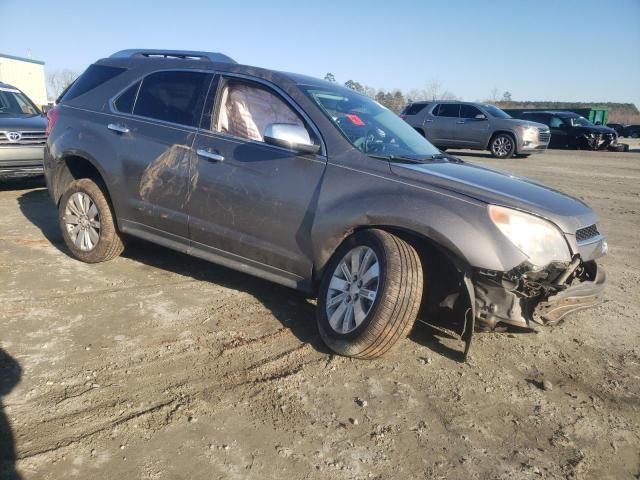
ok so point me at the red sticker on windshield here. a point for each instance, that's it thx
(355, 119)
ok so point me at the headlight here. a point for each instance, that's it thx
(538, 239)
(529, 133)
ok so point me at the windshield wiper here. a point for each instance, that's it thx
(428, 158)
(399, 158)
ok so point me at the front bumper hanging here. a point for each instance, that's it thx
(527, 298)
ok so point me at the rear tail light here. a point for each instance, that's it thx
(52, 116)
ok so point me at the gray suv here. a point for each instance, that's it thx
(477, 126)
(22, 133)
(314, 186)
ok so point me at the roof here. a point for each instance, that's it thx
(22, 59)
(170, 59)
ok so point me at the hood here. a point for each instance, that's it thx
(596, 129)
(517, 121)
(20, 123)
(500, 188)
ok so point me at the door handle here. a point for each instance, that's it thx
(428, 121)
(210, 155)
(460, 121)
(116, 127)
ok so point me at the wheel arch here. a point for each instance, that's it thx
(502, 131)
(447, 279)
(74, 166)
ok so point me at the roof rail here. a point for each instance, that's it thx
(183, 54)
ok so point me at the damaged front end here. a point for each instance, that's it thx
(596, 140)
(527, 297)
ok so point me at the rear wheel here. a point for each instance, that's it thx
(502, 145)
(370, 294)
(87, 223)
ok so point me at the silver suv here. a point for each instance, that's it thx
(478, 126)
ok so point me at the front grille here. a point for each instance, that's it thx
(33, 138)
(544, 135)
(587, 233)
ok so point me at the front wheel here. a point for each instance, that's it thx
(370, 294)
(502, 146)
(87, 223)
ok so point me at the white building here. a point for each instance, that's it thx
(25, 74)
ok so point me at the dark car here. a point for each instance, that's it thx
(570, 130)
(22, 133)
(314, 186)
(632, 131)
(618, 127)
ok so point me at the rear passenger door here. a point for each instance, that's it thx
(443, 127)
(253, 202)
(472, 131)
(156, 130)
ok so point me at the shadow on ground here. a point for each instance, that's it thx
(10, 373)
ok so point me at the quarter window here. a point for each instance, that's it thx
(447, 110)
(246, 110)
(124, 103)
(414, 108)
(173, 96)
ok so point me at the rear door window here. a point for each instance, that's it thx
(447, 110)
(555, 122)
(173, 96)
(92, 77)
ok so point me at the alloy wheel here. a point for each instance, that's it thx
(501, 146)
(353, 289)
(82, 221)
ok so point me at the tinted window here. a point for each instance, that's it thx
(175, 97)
(124, 103)
(537, 117)
(414, 108)
(447, 110)
(555, 122)
(469, 111)
(92, 77)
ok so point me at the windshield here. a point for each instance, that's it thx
(579, 122)
(496, 112)
(369, 126)
(13, 102)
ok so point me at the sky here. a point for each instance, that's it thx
(556, 50)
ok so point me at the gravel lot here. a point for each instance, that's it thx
(160, 366)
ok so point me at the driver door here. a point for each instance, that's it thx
(251, 200)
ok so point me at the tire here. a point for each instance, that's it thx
(97, 238)
(389, 315)
(502, 145)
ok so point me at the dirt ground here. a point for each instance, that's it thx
(160, 366)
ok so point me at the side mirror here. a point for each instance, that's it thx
(480, 116)
(45, 109)
(290, 135)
